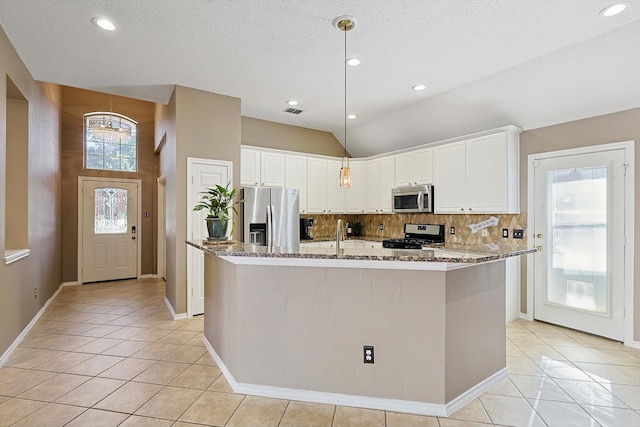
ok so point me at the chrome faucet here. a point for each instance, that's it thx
(339, 236)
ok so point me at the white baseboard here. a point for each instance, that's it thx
(70, 284)
(173, 313)
(26, 330)
(633, 344)
(406, 406)
(526, 316)
(149, 276)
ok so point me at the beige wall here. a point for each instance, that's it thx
(262, 133)
(194, 124)
(17, 196)
(42, 268)
(75, 103)
(616, 127)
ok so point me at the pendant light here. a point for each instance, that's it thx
(345, 23)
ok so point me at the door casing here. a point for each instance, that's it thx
(629, 216)
(81, 181)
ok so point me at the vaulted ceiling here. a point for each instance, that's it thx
(486, 63)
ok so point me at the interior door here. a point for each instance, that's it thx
(109, 230)
(204, 173)
(579, 224)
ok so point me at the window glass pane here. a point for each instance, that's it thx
(110, 211)
(578, 256)
(108, 139)
(94, 162)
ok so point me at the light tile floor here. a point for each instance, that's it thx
(110, 355)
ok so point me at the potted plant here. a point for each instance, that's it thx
(218, 201)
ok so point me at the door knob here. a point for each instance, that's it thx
(539, 248)
(133, 237)
(539, 235)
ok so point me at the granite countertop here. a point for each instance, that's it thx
(449, 252)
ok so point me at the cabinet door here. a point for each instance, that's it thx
(386, 183)
(422, 166)
(271, 169)
(249, 167)
(449, 178)
(355, 196)
(317, 185)
(404, 169)
(296, 177)
(487, 174)
(372, 174)
(335, 193)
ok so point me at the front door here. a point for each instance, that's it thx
(204, 173)
(110, 230)
(579, 221)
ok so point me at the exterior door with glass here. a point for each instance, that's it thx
(579, 217)
(109, 230)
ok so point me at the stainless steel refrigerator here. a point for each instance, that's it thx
(271, 217)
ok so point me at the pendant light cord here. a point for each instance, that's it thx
(345, 91)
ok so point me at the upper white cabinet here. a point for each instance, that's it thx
(295, 168)
(261, 168)
(479, 175)
(335, 194)
(355, 196)
(380, 180)
(414, 168)
(317, 185)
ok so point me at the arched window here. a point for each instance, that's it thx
(110, 142)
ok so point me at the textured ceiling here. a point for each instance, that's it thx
(486, 63)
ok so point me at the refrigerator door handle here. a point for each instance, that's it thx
(273, 228)
(268, 230)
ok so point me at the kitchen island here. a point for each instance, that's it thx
(292, 323)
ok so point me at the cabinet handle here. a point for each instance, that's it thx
(255, 183)
(462, 209)
(470, 209)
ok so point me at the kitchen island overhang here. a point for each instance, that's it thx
(294, 327)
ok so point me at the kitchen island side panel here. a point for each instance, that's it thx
(304, 328)
(475, 326)
(220, 305)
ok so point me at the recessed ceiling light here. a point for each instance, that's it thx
(105, 24)
(292, 102)
(614, 9)
(353, 62)
(419, 87)
(352, 116)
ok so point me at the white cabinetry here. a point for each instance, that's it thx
(296, 177)
(380, 180)
(356, 195)
(261, 168)
(317, 185)
(335, 193)
(414, 168)
(479, 175)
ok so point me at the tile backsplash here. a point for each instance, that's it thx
(325, 225)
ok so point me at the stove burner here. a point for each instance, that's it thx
(416, 236)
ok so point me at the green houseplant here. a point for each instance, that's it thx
(218, 201)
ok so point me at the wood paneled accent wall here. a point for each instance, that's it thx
(76, 103)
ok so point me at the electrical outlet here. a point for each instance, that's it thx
(367, 353)
(381, 226)
(505, 233)
(518, 233)
(452, 230)
(35, 292)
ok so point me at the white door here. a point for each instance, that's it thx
(109, 230)
(203, 173)
(579, 222)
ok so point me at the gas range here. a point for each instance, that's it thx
(416, 236)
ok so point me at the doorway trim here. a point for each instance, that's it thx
(81, 181)
(161, 231)
(629, 216)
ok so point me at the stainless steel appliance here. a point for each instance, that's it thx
(413, 199)
(270, 217)
(416, 236)
(305, 228)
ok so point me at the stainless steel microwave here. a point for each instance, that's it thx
(413, 199)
